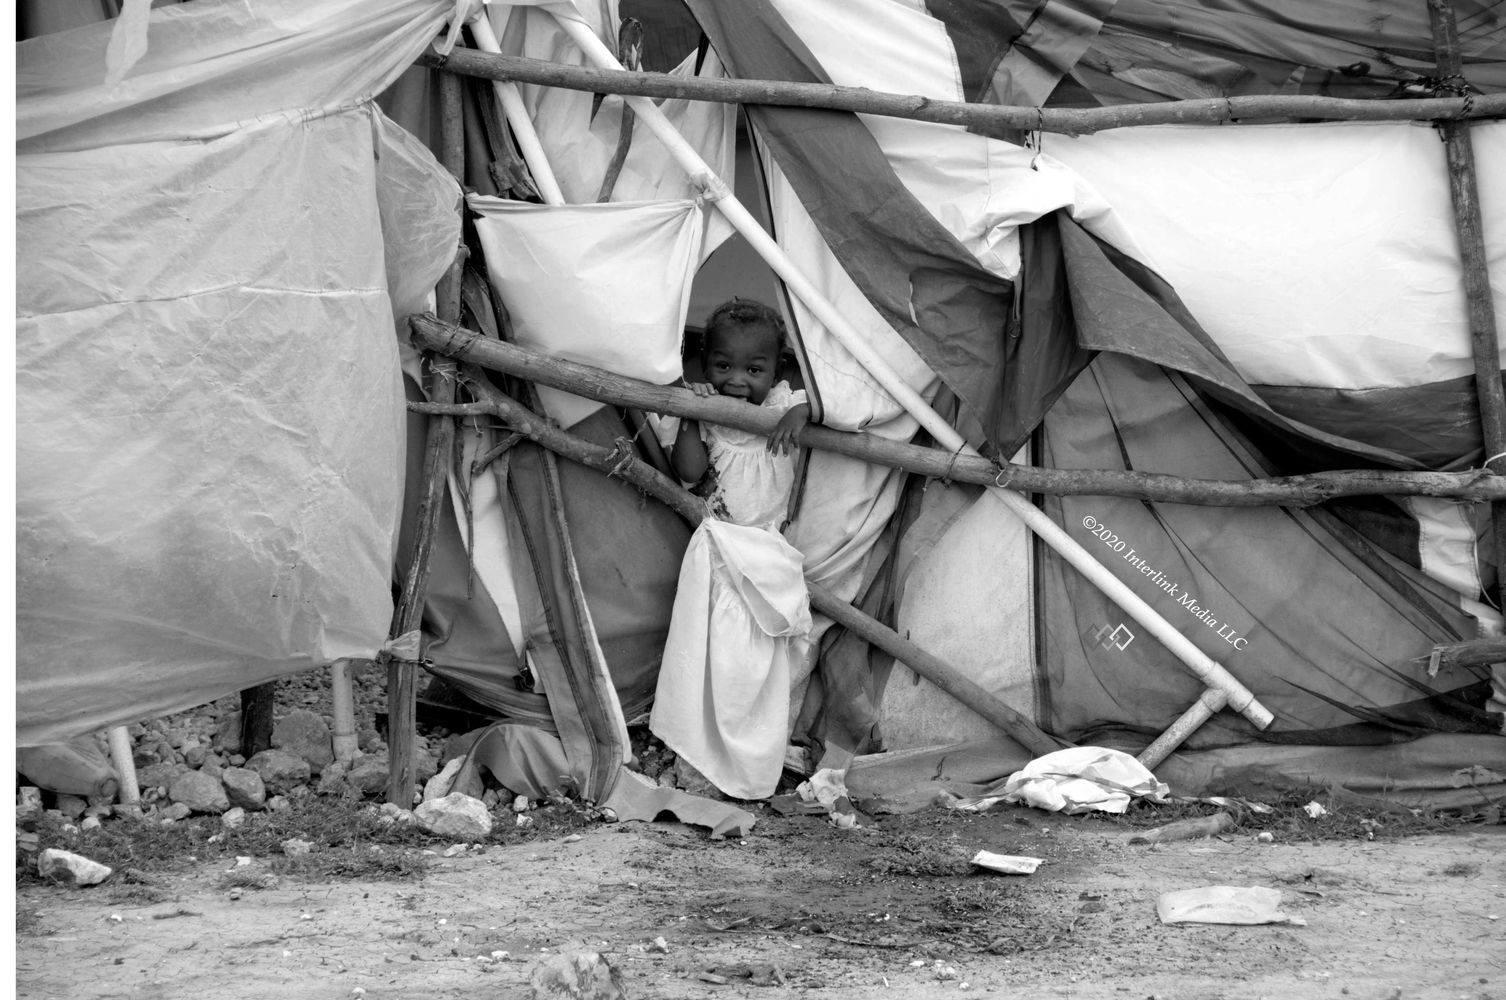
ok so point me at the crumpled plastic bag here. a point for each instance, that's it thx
(828, 787)
(825, 786)
(1081, 779)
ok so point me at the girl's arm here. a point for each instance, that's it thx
(785, 438)
(689, 458)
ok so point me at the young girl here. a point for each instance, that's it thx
(741, 615)
(750, 479)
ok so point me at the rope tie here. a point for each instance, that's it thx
(622, 452)
(1035, 140)
(951, 465)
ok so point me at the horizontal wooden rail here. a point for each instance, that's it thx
(987, 118)
(619, 390)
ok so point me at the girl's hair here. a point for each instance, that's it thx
(738, 312)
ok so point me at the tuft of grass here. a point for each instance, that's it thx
(909, 854)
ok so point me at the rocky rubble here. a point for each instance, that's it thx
(193, 764)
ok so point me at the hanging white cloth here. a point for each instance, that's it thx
(739, 626)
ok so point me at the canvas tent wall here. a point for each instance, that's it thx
(938, 612)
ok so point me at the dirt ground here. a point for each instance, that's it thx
(800, 909)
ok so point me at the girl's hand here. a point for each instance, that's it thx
(701, 388)
(784, 440)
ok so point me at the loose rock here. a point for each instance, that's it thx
(203, 793)
(584, 975)
(227, 735)
(158, 775)
(305, 734)
(368, 775)
(455, 817)
(295, 848)
(70, 868)
(244, 788)
(174, 812)
(332, 780)
(280, 771)
(72, 806)
(439, 786)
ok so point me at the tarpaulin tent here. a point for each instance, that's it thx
(1272, 298)
(214, 252)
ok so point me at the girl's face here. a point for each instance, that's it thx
(741, 361)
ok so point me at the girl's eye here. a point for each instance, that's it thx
(755, 371)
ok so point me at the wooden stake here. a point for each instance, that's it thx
(439, 445)
(987, 118)
(622, 463)
(619, 390)
(257, 705)
(1465, 194)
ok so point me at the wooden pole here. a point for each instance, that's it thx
(988, 118)
(439, 447)
(257, 707)
(619, 390)
(622, 463)
(517, 117)
(1465, 194)
(1472, 653)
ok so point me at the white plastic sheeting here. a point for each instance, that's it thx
(607, 285)
(1316, 254)
(213, 67)
(580, 137)
(210, 418)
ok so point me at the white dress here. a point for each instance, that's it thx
(740, 621)
(752, 483)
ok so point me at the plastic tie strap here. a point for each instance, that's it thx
(407, 647)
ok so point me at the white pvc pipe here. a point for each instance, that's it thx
(517, 117)
(343, 712)
(1215, 676)
(125, 767)
(1185, 725)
